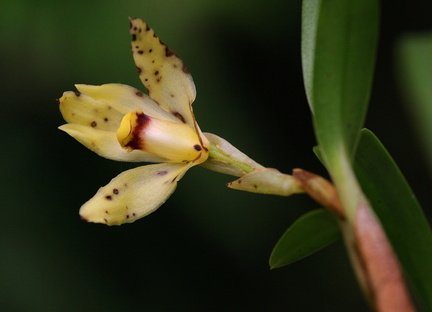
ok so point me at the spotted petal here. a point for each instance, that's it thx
(162, 72)
(133, 194)
(94, 123)
(125, 99)
(78, 108)
(105, 144)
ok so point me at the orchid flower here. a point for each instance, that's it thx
(121, 123)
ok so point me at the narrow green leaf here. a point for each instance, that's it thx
(339, 39)
(399, 212)
(415, 63)
(308, 234)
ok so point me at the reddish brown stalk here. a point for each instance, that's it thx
(372, 255)
(320, 189)
(380, 268)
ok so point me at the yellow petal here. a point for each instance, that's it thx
(133, 194)
(82, 109)
(105, 144)
(125, 99)
(162, 72)
(174, 141)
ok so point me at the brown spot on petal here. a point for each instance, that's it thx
(179, 116)
(140, 52)
(139, 70)
(139, 93)
(108, 197)
(197, 147)
(134, 37)
(115, 191)
(168, 52)
(93, 124)
(185, 70)
(162, 172)
(156, 73)
(77, 93)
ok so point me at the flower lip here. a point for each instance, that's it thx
(131, 126)
(177, 142)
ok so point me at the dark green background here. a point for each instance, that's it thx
(207, 248)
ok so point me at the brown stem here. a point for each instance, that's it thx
(380, 268)
(320, 189)
(371, 254)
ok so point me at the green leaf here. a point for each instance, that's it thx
(399, 212)
(416, 75)
(339, 39)
(308, 234)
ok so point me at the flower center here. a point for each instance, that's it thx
(177, 142)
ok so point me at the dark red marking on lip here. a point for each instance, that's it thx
(136, 141)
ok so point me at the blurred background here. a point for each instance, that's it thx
(207, 247)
